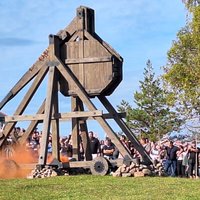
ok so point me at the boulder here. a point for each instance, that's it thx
(126, 175)
(138, 174)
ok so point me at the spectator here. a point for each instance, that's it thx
(171, 161)
(94, 145)
(180, 167)
(193, 153)
(185, 161)
(109, 149)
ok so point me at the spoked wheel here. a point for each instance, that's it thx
(99, 166)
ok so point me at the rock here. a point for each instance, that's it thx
(138, 174)
(118, 170)
(116, 174)
(30, 177)
(133, 165)
(132, 171)
(127, 170)
(54, 174)
(126, 175)
(158, 165)
(123, 169)
(146, 172)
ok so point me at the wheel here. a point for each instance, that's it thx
(99, 166)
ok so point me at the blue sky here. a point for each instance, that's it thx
(137, 30)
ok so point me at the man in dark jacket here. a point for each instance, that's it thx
(171, 159)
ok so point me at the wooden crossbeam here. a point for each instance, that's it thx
(61, 116)
(88, 60)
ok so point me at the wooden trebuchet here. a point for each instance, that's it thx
(81, 65)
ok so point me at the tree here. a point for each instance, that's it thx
(191, 3)
(152, 118)
(182, 72)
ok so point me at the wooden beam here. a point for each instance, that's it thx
(75, 131)
(84, 133)
(61, 116)
(55, 122)
(27, 98)
(26, 78)
(126, 129)
(47, 120)
(88, 60)
(103, 43)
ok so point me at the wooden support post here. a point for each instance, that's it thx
(47, 120)
(125, 129)
(27, 98)
(84, 133)
(75, 131)
(55, 122)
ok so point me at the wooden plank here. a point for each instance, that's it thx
(83, 164)
(16, 118)
(84, 133)
(62, 116)
(88, 60)
(81, 56)
(108, 47)
(55, 122)
(32, 126)
(75, 131)
(126, 129)
(69, 76)
(47, 120)
(26, 78)
(27, 98)
(70, 29)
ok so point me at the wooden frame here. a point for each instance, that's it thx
(63, 76)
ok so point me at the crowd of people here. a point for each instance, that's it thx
(178, 158)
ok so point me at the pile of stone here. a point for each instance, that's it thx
(47, 171)
(139, 170)
(159, 169)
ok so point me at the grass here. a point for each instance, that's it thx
(87, 187)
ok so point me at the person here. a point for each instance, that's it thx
(146, 144)
(109, 149)
(171, 159)
(94, 145)
(193, 153)
(185, 161)
(124, 141)
(154, 153)
(180, 166)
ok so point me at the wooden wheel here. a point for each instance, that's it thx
(99, 166)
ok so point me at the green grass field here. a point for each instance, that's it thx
(96, 187)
